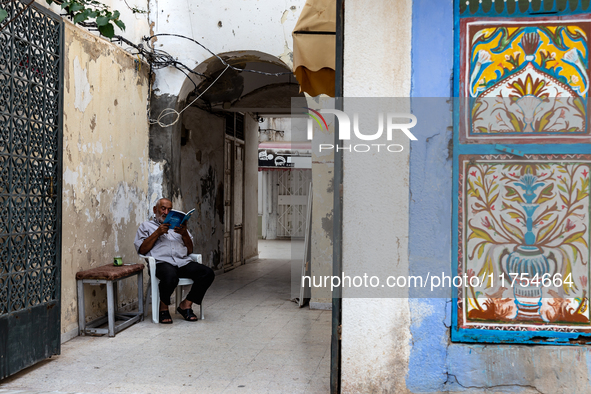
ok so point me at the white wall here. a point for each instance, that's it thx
(375, 337)
(264, 25)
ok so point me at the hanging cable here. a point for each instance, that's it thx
(172, 111)
(147, 39)
(158, 59)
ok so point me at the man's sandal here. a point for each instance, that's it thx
(187, 314)
(165, 315)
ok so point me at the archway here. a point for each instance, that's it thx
(218, 138)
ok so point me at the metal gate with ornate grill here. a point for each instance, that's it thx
(31, 53)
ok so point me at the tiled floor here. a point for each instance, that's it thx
(253, 340)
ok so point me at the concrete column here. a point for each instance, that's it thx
(375, 334)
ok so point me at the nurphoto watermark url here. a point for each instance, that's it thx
(434, 282)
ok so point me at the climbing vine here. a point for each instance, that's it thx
(84, 11)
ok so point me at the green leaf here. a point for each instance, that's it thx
(81, 17)
(543, 231)
(494, 198)
(542, 123)
(119, 24)
(575, 252)
(545, 194)
(115, 15)
(513, 195)
(580, 195)
(576, 237)
(3, 14)
(479, 233)
(475, 108)
(515, 122)
(516, 231)
(481, 249)
(564, 199)
(580, 105)
(107, 30)
(103, 21)
(75, 7)
(546, 217)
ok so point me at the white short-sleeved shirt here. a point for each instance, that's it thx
(169, 247)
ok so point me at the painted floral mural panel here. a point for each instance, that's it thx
(524, 242)
(525, 80)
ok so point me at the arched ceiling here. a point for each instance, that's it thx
(243, 91)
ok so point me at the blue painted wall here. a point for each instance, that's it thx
(430, 188)
(436, 364)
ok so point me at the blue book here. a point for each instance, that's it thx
(176, 218)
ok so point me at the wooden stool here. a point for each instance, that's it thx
(107, 274)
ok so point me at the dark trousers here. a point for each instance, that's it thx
(169, 278)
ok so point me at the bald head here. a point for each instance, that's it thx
(161, 209)
(159, 202)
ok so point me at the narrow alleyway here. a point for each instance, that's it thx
(253, 340)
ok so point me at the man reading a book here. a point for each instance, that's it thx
(171, 249)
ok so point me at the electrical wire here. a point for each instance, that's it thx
(172, 111)
(158, 59)
(147, 39)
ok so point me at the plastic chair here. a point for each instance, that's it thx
(153, 283)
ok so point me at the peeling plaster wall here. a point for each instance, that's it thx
(202, 183)
(202, 180)
(105, 164)
(375, 334)
(436, 364)
(322, 209)
(165, 156)
(222, 26)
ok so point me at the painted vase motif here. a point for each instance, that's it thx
(524, 214)
(531, 262)
(528, 261)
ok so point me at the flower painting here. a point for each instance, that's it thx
(524, 80)
(524, 231)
